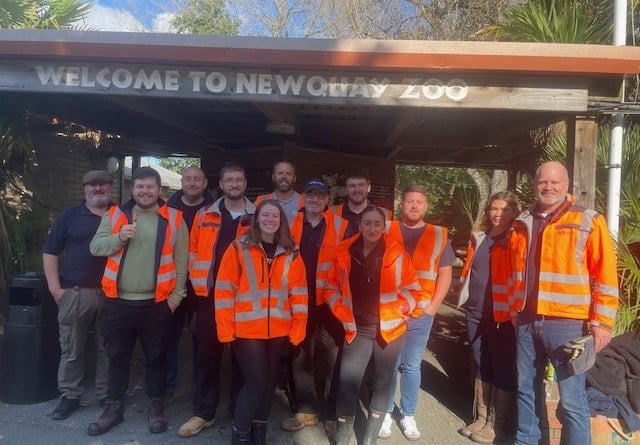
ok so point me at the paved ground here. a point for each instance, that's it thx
(445, 404)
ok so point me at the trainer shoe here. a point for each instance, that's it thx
(299, 421)
(385, 429)
(409, 428)
(193, 426)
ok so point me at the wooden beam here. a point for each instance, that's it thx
(582, 140)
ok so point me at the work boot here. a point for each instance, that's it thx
(299, 421)
(374, 422)
(239, 437)
(499, 426)
(155, 416)
(258, 433)
(110, 417)
(345, 430)
(481, 402)
(65, 408)
(331, 428)
(194, 425)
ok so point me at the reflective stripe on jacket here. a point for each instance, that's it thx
(399, 290)
(255, 300)
(202, 243)
(168, 223)
(577, 272)
(500, 277)
(426, 256)
(333, 234)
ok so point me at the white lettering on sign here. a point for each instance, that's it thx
(233, 82)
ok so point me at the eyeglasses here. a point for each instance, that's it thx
(229, 181)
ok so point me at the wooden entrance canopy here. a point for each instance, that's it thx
(431, 102)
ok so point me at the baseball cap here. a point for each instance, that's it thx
(316, 184)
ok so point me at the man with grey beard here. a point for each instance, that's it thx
(76, 290)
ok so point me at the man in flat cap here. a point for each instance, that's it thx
(76, 289)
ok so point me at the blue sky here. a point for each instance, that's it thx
(128, 15)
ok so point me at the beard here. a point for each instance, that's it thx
(233, 195)
(284, 186)
(98, 200)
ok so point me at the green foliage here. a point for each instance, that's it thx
(205, 17)
(176, 164)
(446, 189)
(556, 21)
(16, 154)
(43, 14)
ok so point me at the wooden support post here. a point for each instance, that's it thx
(582, 139)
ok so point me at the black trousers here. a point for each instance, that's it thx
(313, 361)
(259, 360)
(121, 324)
(367, 347)
(208, 358)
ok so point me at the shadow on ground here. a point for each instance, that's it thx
(447, 372)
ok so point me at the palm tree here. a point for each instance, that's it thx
(43, 14)
(17, 153)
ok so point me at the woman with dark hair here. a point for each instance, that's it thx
(371, 289)
(260, 306)
(483, 295)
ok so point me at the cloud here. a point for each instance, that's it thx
(103, 18)
(162, 22)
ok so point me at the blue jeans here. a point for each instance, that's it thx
(410, 363)
(538, 339)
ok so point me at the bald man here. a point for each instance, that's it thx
(189, 200)
(565, 286)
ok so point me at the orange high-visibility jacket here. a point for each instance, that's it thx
(168, 222)
(274, 197)
(202, 242)
(255, 300)
(578, 276)
(399, 290)
(500, 276)
(333, 234)
(426, 257)
(338, 209)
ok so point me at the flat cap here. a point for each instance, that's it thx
(101, 176)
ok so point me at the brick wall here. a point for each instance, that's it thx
(56, 182)
(551, 426)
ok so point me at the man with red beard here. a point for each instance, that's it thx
(284, 178)
(432, 257)
(358, 185)
(77, 289)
